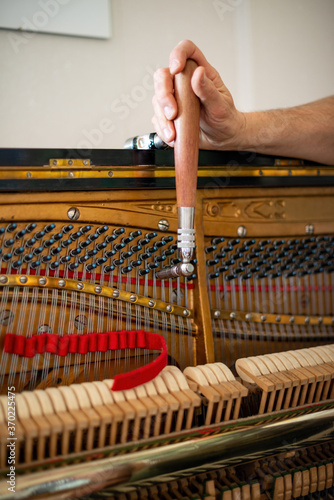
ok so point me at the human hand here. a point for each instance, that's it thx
(221, 124)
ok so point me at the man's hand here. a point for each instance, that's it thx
(221, 124)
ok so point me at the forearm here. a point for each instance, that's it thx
(302, 132)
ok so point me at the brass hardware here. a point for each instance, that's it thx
(104, 291)
(272, 318)
(69, 163)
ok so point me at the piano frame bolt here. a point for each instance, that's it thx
(115, 294)
(233, 315)
(61, 283)
(98, 289)
(185, 312)
(42, 281)
(163, 225)
(248, 317)
(133, 297)
(263, 317)
(80, 285)
(242, 231)
(216, 314)
(3, 279)
(278, 319)
(292, 319)
(23, 279)
(169, 308)
(309, 229)
(151, 303)
(73, 213)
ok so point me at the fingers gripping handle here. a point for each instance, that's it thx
(186, 162)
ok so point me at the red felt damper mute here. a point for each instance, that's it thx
(67, 344)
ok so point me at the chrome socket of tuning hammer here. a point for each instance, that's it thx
(185, 245)
(181, 269)
(186, 233)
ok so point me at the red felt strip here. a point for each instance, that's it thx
(51, 345)
(95, 342)
(30, 349)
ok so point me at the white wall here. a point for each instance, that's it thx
(58, 91)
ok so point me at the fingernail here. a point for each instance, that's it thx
(203, 79)
(167, 134)
(168, 112)
(174, 65)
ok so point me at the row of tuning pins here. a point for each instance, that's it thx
(99, 250)
(261, 259)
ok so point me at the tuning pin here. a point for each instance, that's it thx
(246, 276)
(160, 258)
(48, 243)
(109, 253)
(91, 253)
(118, 246)
(85, 229)
(45, 259)
(35, 264)
(91, 237)
(150, 236)
(90, 267)
(126, 255)
(118, 262)
(212, 262)
(28, 257)
(126, 240)
(168, 239)
(101, 246)
(136, 248)
(101, 261)
(57, 236)
(9, 243)
(102, 229)
(144, 256)
(37, 251)
(65, 259)
(18, 250)
(108, 269)
(20, 234)
(210, 249)
(73, 266)
(217, 241)
(49, 227)
(143, 272)
(16, 264)
(135, 263)
(57, 250)
(67, 229)
(126, 270)
(39, 235)
(30, 227)
(143, 241)
(161, 243)
(83, 259)
(54, 265)
(135, 234)
(11, 227)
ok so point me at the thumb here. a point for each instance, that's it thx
(204, 88)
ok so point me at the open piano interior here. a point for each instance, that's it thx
(244, 407)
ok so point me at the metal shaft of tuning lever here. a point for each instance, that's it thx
(186, 162)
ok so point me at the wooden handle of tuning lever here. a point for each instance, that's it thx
(187, 137)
